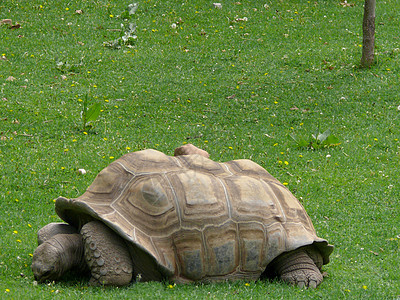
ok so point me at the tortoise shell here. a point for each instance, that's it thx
(188, 218)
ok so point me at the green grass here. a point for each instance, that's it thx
(230, 87)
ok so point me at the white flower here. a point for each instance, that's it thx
(81, 171)
(173, 25)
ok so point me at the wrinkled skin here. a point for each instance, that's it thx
(300, 267)
(57, 256)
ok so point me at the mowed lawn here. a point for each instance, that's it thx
(236, 81)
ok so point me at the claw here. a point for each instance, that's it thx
(312, 284)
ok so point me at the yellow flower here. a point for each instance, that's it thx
(230, 147)
(364, 287)
(285, 183)
(247, 284)
(15, 231)
(7, 290)
(111, 157)
(286, 162)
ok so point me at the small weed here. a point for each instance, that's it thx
(89, 115)
(128, 30)
(317, 140)
(66, 67)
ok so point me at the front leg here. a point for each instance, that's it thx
(107, 255)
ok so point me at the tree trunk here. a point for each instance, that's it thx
(367, 58)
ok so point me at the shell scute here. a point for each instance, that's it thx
(199, 198)
(222, 249)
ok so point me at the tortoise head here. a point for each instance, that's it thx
(47, 262)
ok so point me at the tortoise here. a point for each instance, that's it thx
(182, 218)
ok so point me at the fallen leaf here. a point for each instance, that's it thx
(6, 21)
(294, 108)
(16, 26)
(11, 78)
(231, 96)
(79, 11)
(344, 4)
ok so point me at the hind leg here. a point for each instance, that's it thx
(107, 255)
(300, 267)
